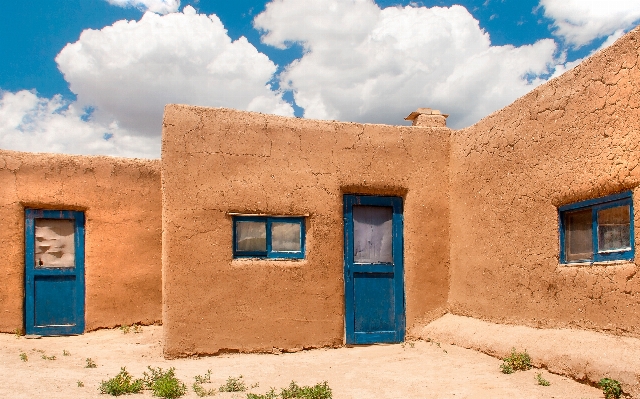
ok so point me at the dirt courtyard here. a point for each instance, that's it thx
(413, 370)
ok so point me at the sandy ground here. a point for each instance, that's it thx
(413, 370)
(583, 355)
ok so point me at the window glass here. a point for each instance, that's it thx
(268, 237)
(598, 230)
(54, 243)
(251, 236)
(613, 229)
(372, 234)
(285, 236)
(578, 235)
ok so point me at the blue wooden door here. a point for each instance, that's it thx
(54, 272)
(373, 272)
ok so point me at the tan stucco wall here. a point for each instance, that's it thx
(576, 137)
(122, 203)
(217, 161)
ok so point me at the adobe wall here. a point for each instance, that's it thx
(122, 203)
(576, 137)
(217, 161)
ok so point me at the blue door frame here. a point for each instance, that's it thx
(54, 296)
(374, 292)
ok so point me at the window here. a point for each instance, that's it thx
(597, 230)
(268, 237)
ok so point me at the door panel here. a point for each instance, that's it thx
(54, 299)
(373, 305)
(54, 272)
(374, 282)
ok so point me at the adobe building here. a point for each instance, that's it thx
(291, 233)
(81, 239)
(223, 168)
(258, 232)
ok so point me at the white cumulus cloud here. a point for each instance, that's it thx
(128, 71)
(363, 63)
(32, 123)
(157, 6)
(581, 21)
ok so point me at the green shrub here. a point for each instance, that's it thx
(164, 384)
(542, 381)
(233, 385)
(611, 388)
(123, 383)
(24, 357)
(516, 361)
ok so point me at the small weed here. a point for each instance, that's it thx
(123, 383)
(203, 380)
(516, 361)
(39, 351)
(294, 391)
(410, 343)
(52, 357)
(541, 380)
(233, 385)
(611, 388)
(23, 357)
(164, 384)
(431, 342)
(199, 389)
(18, 333)
(318, 391)
(90, 364)
(135, 328)
(269, 395)
(65, 353)
(80, 384)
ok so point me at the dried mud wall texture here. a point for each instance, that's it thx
(575, 138)
(217, 161)
(122, 202)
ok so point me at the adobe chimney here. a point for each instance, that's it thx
(427, 117)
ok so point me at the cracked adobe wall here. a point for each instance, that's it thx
(571, 139)
(122, 203)
(216, 161)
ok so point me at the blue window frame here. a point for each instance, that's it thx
(271, 237)
(597, 230)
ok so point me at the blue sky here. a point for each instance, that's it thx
(103, 92)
